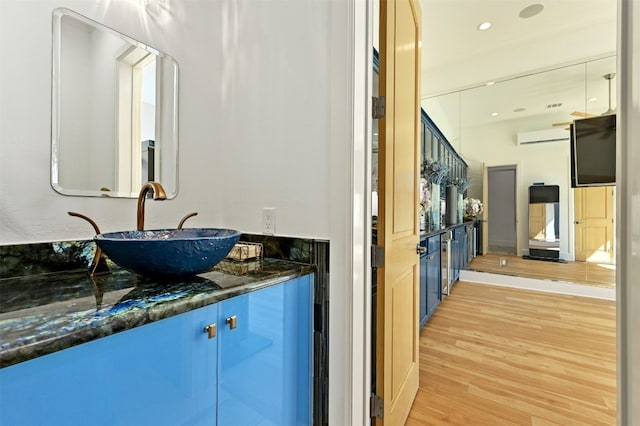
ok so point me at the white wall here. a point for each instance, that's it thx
(31, 211)
(254, 116)
(273, 101)
(548, 162)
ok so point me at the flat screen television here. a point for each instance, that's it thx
(593, 151)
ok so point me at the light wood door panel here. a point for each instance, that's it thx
(537, 222)
(397, 327)
(594, 223)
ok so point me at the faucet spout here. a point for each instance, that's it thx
(158, 194)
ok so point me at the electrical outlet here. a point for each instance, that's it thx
(503, 261)
(269, 221)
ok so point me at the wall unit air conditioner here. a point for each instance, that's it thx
(539, 136)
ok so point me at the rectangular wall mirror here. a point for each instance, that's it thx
(114, 122)
(544, 222)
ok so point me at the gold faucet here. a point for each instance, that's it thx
(158, 194)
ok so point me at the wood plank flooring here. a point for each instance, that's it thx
(501, 356)
(589, 273)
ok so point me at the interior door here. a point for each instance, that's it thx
(397, 327)
(486, 207)
(501, 184)
(593, 211)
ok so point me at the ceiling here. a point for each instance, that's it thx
(456, 55)
(544, 67)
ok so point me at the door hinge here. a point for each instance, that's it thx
(378, 107)
(377, 406)
(377, 257)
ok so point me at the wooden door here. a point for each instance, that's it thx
(397, 327)
(593, 221)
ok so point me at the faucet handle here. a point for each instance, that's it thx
(184, 219)
(99, 262)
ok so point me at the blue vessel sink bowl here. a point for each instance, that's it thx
(168, 252)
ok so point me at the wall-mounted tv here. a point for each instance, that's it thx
(593, 151)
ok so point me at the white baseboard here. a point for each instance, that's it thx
(549, 286)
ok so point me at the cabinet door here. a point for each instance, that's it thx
(464, 248)
(434, 288)
(455, 259)
(264, 375)
(163, 373)
(424, 294)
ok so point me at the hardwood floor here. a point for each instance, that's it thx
(501, 356)
(589, 273)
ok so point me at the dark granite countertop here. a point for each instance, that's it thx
(42, 314)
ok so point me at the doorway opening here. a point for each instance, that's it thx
(501, 194)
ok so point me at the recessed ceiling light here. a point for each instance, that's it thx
(490, 83)
(531, 11)
(484, 26)
(493, 114)
(593, 99)
(519, 110)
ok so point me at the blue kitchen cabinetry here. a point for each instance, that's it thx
(459, 250)
(171, 372)
(430, 278)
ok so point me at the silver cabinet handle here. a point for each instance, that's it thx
(420, 249)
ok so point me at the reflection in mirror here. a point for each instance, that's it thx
(544, 222)
(114, 111)
(483, 124)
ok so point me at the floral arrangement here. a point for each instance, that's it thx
(434, 171)
(461, 184)
(425, 196)
(472, 207)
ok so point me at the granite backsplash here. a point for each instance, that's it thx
(42, 258)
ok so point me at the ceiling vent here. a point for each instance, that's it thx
(540, 136)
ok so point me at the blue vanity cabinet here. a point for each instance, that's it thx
(163, 373)
(430, 284)
(265, 362)
(170, 372)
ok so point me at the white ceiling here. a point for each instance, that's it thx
(556, 57)
(456, 55)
